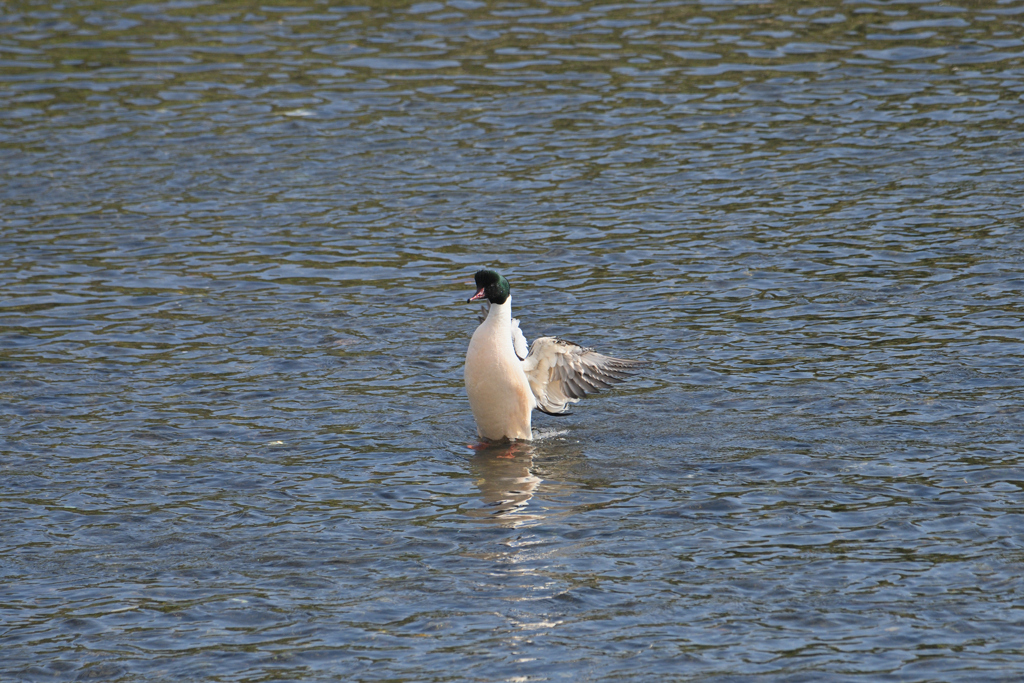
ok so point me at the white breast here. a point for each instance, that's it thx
(498, 390)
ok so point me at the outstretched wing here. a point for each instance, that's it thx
(561, 373)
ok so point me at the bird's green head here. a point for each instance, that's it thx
(491, 286)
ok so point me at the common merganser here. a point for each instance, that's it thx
(506, 380)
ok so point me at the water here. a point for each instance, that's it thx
(236, 243)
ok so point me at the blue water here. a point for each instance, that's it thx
(235, 245)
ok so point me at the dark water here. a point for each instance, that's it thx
(235, 239)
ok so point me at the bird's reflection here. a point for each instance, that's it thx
(503, 472)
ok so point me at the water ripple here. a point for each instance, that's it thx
(232, 425)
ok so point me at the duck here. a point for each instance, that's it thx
(506, 379)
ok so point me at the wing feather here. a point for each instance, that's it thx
(522, 348)
(561, 372)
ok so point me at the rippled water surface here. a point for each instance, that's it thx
(236, 243)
